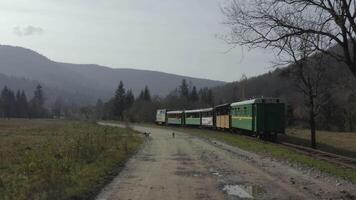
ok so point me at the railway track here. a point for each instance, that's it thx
(330, 157)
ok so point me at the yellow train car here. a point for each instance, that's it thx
(222, 116)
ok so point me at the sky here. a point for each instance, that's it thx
(180, 37)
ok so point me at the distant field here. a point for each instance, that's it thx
(334, 142)
(52, 159)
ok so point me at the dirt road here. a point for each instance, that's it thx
(187, 167)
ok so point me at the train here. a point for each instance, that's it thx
(260, 117)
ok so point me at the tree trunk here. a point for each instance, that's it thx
(312, 123)
(351, 123)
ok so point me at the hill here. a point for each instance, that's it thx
(87, 81)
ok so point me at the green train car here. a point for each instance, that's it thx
(175, 117)
(264, 117)
(192, 117)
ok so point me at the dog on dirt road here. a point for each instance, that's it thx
(147, 134)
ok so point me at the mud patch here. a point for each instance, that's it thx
(149, 159)
(157, 188)
(199, 195)
(180, 155)
(189, 173)
(182, 159)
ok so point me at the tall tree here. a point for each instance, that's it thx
(309, 75)
(206, 97)
(8, 102)
(22, 104)
(37, 103)
(184, 89)
(147, 94)
(263, 23)
(119, 100)
(141, 96)
(194, 95)
(129, 99)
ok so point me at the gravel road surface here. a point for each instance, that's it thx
(188, 167)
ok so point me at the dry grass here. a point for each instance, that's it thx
(52, 159)
(335, 142)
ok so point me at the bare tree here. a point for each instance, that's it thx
(309, 76)
(263, 23)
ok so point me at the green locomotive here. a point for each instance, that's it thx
(265, 118)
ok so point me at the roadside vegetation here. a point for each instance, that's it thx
(54, 159)
(273, 150)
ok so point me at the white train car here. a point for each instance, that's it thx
(161, 116)
(207, 117)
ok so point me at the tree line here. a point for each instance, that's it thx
(16, 104)
(124, 106)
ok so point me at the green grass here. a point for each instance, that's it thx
(272, 150)
(53, 159)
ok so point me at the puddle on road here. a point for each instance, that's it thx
(241, 191)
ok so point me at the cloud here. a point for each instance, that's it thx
(27, 31)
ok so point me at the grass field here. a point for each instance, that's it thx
(53, 159)
(334, 142)
(272, 150)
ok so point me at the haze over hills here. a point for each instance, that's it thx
(81, 83)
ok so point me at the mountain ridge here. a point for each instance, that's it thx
(89, 80)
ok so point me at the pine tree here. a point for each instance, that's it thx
(129, 99)
(37, 103)
(119, 101)
(141, 96)
(206, 97)
(210, 98)
(184, 89)
(8, 104)
(194, 95)
(24, 105)
(21, 108)
(146, 94)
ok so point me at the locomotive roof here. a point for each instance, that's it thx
(175, 112)
(223, 105)
(258, 100)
